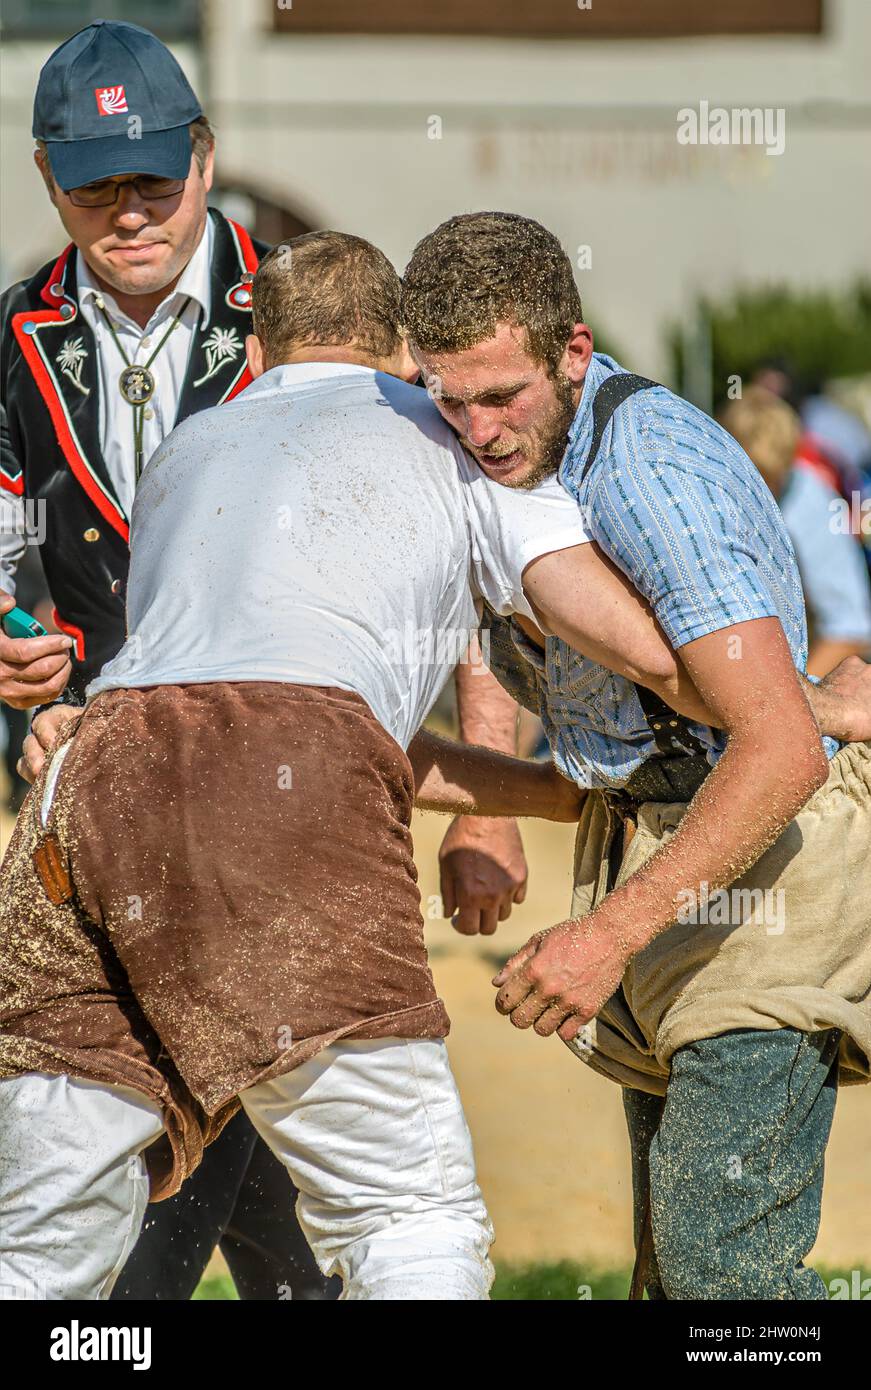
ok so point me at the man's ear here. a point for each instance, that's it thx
(579, 350)
(255, 355)
(405, 366)
(209, 169)
(40, 159)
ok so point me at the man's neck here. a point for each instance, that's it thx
(332, 353)
(392, 366)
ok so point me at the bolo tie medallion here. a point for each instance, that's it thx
(136, 385)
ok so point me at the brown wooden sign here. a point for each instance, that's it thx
(611, 19)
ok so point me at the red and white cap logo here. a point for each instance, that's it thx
(110, 100)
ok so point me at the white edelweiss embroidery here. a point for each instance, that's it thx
(71, 359)
(222, 345)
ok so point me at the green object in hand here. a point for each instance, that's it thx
(17, 623)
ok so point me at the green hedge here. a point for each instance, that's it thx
(821, 335)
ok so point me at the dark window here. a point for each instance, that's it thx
(268, 221)
(552, 18)
(170, 19)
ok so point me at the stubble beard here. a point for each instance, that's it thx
(141, 280)
(152, 280)
(549, 441)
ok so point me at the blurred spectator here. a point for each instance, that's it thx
(834, 575)
(834, 442)
(841, 434)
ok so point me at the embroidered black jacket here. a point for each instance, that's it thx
(50, 448)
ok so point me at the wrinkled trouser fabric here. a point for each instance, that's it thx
(238, 1200)
(734, 1157)
(372, 1133)
(73, 1185)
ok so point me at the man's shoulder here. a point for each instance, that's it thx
(669, 424)
(665, 434)
(25, 294)
(234, 249)
(414, 404)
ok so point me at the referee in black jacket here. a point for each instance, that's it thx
(140, 322)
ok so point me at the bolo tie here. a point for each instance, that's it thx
(136, 383)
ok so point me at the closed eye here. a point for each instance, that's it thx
(452, 402)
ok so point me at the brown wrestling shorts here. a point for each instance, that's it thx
(240, 892)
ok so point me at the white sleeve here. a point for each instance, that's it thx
(510, 528)
(13, 538)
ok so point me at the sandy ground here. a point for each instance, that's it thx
(549, 1135)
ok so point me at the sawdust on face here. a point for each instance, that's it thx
(510, 411)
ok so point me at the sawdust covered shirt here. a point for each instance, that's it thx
(324, 528)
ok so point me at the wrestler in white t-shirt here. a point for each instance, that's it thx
(325, 528)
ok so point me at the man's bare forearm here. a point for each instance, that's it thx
(774, 761)
(838, 713)
(742, 808)
(486, 713)
(580, 596)
(483, 868)
(462, 779)
(679, 693)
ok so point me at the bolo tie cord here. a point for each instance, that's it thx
(139, 407)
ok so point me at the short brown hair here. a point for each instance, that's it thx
(326, 289)
(481, 269)
(202, 140)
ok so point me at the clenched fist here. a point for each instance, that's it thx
(483, 873)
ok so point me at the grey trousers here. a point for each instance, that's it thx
(733, 1155)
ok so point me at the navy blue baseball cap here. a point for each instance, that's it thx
(88, 93)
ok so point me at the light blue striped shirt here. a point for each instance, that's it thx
(677, 505)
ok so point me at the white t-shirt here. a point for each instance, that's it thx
(324, 528)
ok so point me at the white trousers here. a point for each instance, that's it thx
(372, 1133)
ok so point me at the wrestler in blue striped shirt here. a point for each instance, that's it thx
(677, 504)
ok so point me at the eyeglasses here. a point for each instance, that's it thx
(104, 193)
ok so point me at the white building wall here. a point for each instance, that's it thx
(580, 134)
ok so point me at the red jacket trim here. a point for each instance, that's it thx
(250, 260)
(13, 485)
(64, 434)
(56, 277)
(245, 247)
(71, 631)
